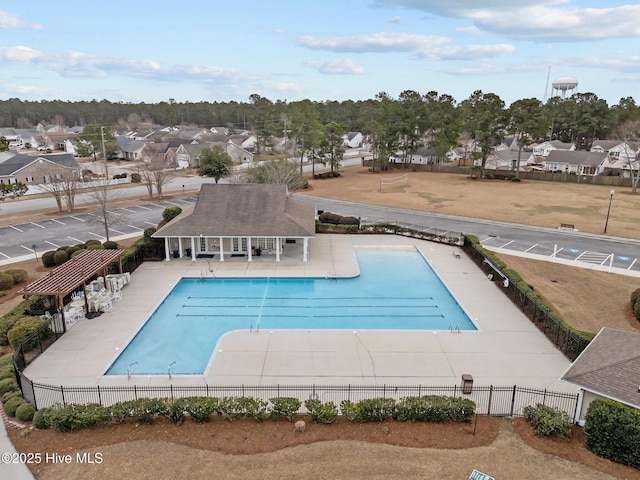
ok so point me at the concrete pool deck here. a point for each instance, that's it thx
(506, 350)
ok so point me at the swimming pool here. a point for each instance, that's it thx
(396, 290)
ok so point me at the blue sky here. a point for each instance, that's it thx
(194, 51)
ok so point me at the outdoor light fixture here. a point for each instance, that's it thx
(33, 247)
(609, 209)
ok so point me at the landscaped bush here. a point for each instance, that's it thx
(25, 412)
(286, 407)
(7, 323)
(77, 252)
(18, 275)
(11, 394)
(99, 246)
(40, 419)
(434, 408)
(92, 241)
(6, 371)
(6, 360)
(60, 257)
(109, 245)
(239, 407)
(75, 417)
(136, 178)
(321, 412)
(145, 410)
(200, 409)
(48, 260)
(6, 281)
(613, 431)
(71, 250)
(548, 421)
(8, 385)
(12, 405)
(328, 217)
(349, 221)
(368, 410)
(170, 213)
(635, 303)
(25, 327)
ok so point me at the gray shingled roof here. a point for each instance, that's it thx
(609, 366)
(17, 162)
(576, 157)
(237, 210)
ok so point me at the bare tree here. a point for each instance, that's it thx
(63, 185)
(630, 132)
(104, 198)
(277, 171)
(155, 174)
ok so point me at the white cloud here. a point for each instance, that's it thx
(342, 66)
(471, 52)
(375, 42)
(395, 19)
(545, 20)
(10, 21)
(19, 54)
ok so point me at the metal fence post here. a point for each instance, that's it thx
(489, 401)
(513, 400)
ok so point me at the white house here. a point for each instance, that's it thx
(352, 139)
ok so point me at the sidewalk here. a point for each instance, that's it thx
(11, 470)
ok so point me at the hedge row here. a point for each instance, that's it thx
(200, 409)
(11, 277)
(548, 421)
(55, 258)
(613, 431)
(14, 404)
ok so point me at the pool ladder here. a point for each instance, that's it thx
(170, 368)
(257, 327)
(454, 330)
(130, 369)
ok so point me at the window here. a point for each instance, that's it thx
(29, 179)
(203, 244)
(265, 243)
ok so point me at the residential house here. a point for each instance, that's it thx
(577, 162)
(506, 159)
(34, 170)
(133, 150)
(508, 143)
(543, 149)
(12, 136)
(246, 141)
(607, 368)
(352, 140)
(243, 220)
(621, 156)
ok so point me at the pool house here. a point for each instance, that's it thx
(239, 220)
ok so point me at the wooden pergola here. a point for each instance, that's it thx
(72, 275)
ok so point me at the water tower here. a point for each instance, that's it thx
(562, 85)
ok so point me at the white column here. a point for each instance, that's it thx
(180, 246)
(305, 249)
(277, 249)
(193, 249)
(249, 259)
(166, 248)
(221, 249)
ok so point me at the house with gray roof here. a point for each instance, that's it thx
(608, 368)
(577, 162)
(240, 220)
(35, 170)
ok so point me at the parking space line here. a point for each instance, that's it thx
(144, 208)
(57, 221)
(134, 227)
(117, 231)
(502, 246)
(52, 244)
(114, 213)
(172, 203)
(16, 228)
(127, 210)
(34, 223)
(531, 247)
(76, 218)
(5, 256)
(157, 205)
(151, 223)
(75, 239)
(95, 235)
(27, 248)
(632, 263)
(183, 201)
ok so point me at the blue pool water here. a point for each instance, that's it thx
(395, 291)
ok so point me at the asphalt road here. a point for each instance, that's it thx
(18, 239)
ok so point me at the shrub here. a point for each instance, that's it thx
(237, 407)
(109, 245)
(47, 259)
(145, 410)
(286, 407)
(7, 323)
(434, 408)
(39, 419)
(8, 385)
(73, 417)
(18, 275)
(613, 431)
(548, 421)
(92, 241)
(6, 281)
(93, 246)
(71, 250)
(635, 297)
(200, 409)
(12, 405)
(77, 252)
(136, 178)
(60, 257)
(369, 410)
(170, 213)
(25, 327)
(6, 360)
(25, 412)
(175, 411)
(7, 371)
(321, 412)
(328, 217)
(11, 394)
